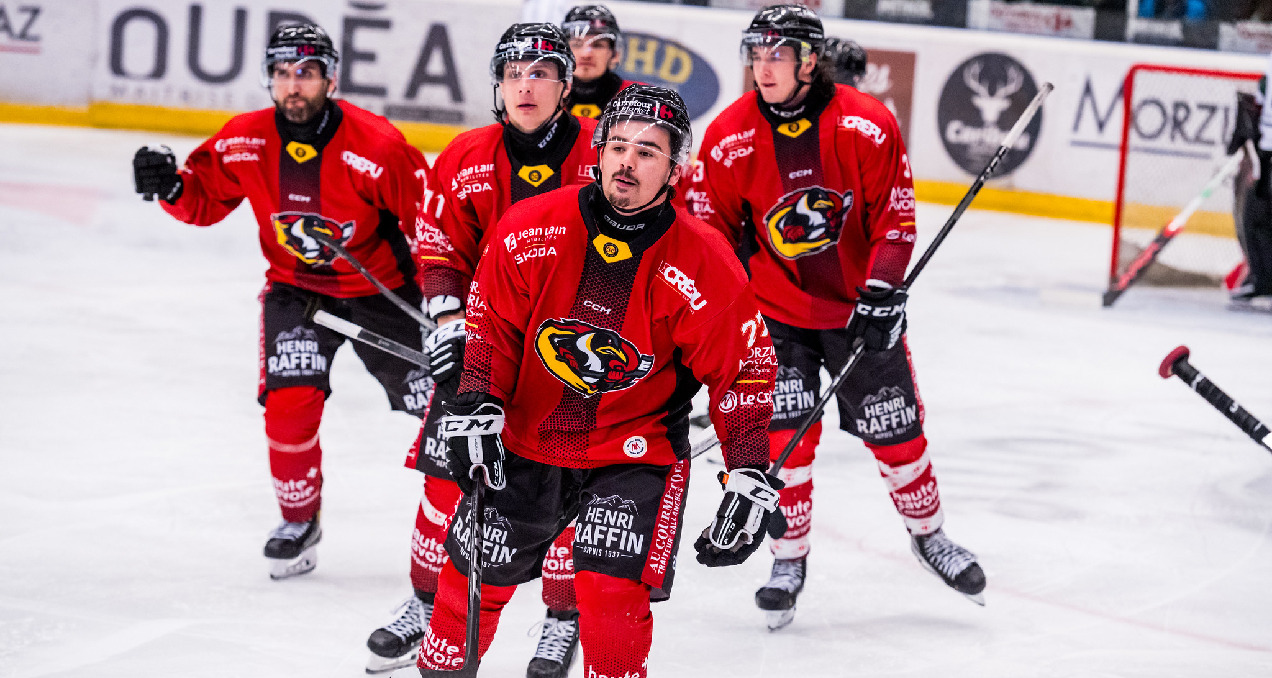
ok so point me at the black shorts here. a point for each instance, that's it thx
(878, 402)
(629, 520)
(298, 352)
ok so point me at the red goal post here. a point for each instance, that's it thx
(1176, 122)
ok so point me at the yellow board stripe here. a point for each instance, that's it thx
(424, 135)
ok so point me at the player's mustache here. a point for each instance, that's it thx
(625, 173)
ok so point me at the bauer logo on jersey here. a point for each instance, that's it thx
(806, 221)
(294, 231)
(590, 359)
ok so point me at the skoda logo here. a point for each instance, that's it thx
(981, 100)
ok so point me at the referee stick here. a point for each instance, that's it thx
(815, 415)
(1176, 363)
(1150, 253)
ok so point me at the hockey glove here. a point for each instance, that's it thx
(878, 321)
(474, 450)
(155, 174)
(745, 514)
(445, 349)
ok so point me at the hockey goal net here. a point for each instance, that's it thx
(1176, 125)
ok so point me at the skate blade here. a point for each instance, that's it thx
(779, 619)
(978, 598)
(377, 665)
(282, 568)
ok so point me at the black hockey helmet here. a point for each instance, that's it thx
(784, 25)
(533, 42)
(594, 21)
(297, 43)
(848, 58)
(652, 104)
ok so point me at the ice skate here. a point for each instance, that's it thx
(955, 565)
(777, 597)
(558, 643)
(397, 644)
(291, 548)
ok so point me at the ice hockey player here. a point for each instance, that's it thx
(584, 360)
(310, 163)
(535, 146)
(820, 174)
(1252, 204)
(598, 48)
(848, 59)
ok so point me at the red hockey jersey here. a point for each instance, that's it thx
(361, 182)
(596, 346)
(476, 184)
(831, 200)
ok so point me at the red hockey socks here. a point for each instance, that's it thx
(292, 416)
(616, 628)
(443, 645)
(558, 573)
(796, 499)
(428, 552)
(907, 470)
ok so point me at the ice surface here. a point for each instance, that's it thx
(1123, 523)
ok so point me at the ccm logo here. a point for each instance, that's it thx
(800, 173)
(461, 426)
(683, 284)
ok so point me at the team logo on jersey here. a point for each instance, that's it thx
(293, 229)
(611, 250)
(806, 221)
(589, 359)
(301, 153)
(794, 129)
(535, 174)
(586, 111)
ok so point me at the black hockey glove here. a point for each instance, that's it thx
(878, 321)
(155, 174)
(745, 514)
(445, 349)
(471, 427)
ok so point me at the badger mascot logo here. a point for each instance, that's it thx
(589, 359)
(293, 231)
(806, 221)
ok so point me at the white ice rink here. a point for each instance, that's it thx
(1124, 525)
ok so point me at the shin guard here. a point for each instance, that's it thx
(444, 644)
(558, 573)
(796, 499)
(428, 552)
(292, 416)
(907, 470)
(616, 627)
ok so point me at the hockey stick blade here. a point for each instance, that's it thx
(1138, 266)
(330, 241)
(358, 333)
(1176, 363)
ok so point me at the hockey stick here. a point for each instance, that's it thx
(359, 333)
(330, 241)
(476, 548)
(1176, 363)
(815, 415)
(1150, 253)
